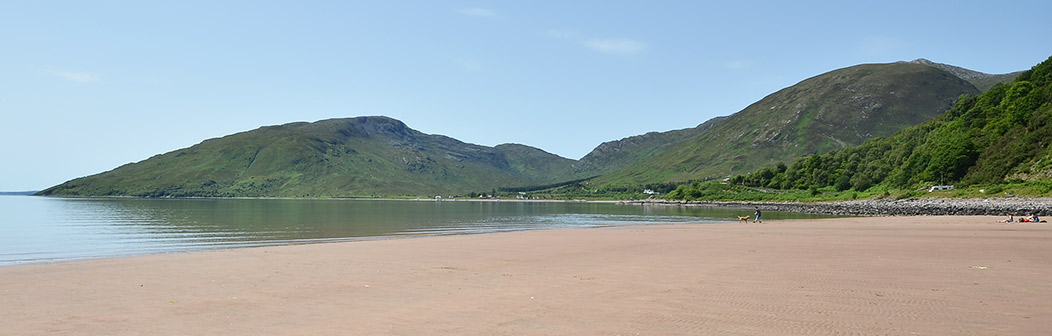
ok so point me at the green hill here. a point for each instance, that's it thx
(1000, 136)
(612, 156)
(379, 156)
(537, 165)
(827, 112)
(339, 157)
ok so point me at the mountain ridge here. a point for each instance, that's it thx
(329, 158)
(381, 156)
(1000, 136)
(616, 154)
(825, 112)
(982, 81)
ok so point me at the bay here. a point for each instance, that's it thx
(46, 229)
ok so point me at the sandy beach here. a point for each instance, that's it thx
(883, 275)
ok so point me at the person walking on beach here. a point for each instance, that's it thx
(757, 216)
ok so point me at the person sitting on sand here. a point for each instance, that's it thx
(1030, 218)
(1010, 219)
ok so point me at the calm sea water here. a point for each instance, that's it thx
(45, 229)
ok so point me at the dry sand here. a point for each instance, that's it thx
(890, 275)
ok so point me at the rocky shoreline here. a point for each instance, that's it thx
(1018, 206)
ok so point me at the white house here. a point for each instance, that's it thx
(940, 187)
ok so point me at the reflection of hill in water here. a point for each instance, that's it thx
(49, 229)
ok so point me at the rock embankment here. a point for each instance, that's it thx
(1017, 206)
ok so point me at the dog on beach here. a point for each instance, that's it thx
(743, 219)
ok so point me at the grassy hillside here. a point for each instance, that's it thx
(1001, 136)
(379, 156)
(615, 155)
(339, 157)
(827, 112)
(539, 166)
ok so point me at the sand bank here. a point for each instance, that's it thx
(888, 275)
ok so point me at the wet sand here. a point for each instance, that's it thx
(886, 275)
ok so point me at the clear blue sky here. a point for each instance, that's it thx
(86, 86)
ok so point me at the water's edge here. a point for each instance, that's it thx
(48, 229)
(903, 207)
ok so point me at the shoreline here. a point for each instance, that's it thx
(336, 199)
(996, 206)
(934, 206)
(87, 250)
(859, 275)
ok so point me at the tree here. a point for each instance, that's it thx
(951, 159)
(861, 182)
(843, 183)
(780, 167)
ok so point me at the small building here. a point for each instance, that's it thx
(940, 187)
